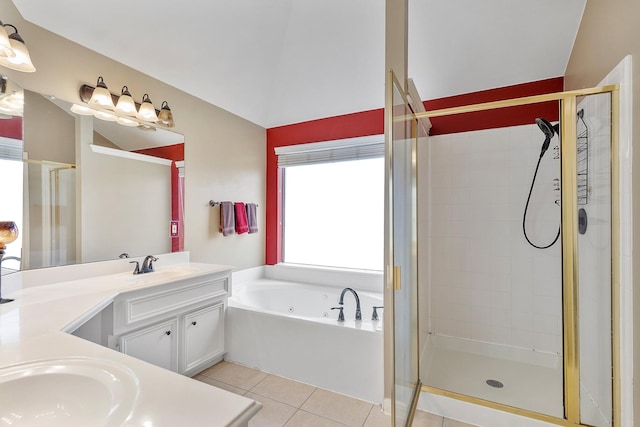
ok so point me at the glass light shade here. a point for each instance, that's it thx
(126, 122)
(147, 111)
(166, 116)
(101, 95)
(103, 115)
(125, 104)
(8, 233)
(22, 60)
(5, 46)
(83, 110)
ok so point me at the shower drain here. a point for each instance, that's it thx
(495, 383)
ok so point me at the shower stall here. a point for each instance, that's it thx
(502, 261)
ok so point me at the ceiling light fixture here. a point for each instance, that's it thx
(127, 112)
(13, 51)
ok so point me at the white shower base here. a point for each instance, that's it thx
(532, 380)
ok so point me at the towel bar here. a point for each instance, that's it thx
(213, 203)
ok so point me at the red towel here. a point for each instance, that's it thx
(242, 226)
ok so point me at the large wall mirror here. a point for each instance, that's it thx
(83, 189)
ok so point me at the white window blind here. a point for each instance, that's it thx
(10, 149)
(366, 147)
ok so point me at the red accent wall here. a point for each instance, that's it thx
(372, 123)
(11, 128)
(176, 153)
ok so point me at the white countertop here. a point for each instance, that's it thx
(32, 328)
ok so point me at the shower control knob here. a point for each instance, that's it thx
(374, 315)
(341, 314)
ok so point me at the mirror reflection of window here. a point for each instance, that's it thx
(11, 172)
(11, 166)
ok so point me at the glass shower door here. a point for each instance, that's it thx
(401, 156)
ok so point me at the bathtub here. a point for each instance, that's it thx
(289, 329)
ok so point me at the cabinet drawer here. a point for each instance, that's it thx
(174, 298)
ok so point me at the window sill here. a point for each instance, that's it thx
(366, 280)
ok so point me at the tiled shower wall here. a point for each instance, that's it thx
(485, 282)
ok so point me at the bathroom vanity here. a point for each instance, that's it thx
(76, 329)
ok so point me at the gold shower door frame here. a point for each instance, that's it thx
(569, 212)
(401, 263)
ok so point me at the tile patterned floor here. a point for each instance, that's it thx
(287, 403)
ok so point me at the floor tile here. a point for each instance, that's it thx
(377, 418)
(207, 372)
(343, 409)
(272, 414)
(426, 419)
(454, 423)
(238, 376)
(283, 390)
(305, 419)
(220, 384)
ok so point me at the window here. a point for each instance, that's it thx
(334, 204)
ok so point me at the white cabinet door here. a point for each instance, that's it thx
(155, 344)
(203, 336)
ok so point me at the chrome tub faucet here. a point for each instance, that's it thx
(355, 294)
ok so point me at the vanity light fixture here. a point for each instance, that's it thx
(166, 116)
(147, 111)
(127, 112)
(5, 44)
(125, 104)
(11, 101)
(16, 55)
(101, 96)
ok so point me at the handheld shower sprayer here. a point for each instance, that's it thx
(549, 130)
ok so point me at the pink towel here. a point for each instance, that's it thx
(241, 218)
(252, 217)
(226, 218)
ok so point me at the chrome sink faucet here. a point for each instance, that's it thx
(147, 265)
(355, 294)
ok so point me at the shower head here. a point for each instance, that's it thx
(546, 127)
(549, 130)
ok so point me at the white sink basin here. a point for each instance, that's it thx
(66, 392)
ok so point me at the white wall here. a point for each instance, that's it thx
(485, 282)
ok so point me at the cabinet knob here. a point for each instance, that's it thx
(194, 323)
(168, 333)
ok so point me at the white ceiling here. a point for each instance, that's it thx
(278, 62)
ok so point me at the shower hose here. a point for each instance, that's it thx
(526, 207)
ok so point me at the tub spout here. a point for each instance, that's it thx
(355, 294)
